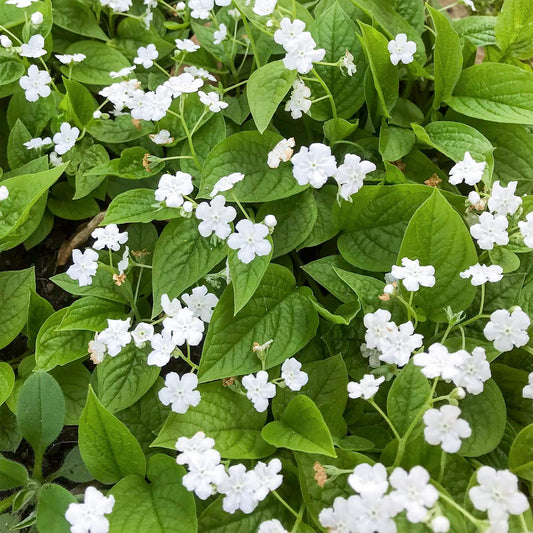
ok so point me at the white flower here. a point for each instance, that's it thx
(292, 374)
(199, 73)
(20, 3)
(123, 264)
(97, 350)
(374, 512)
(482, 274)
(367, 478)
(526, 229)
(37, 142)
(67, 59)
(270, 221)
(299, 101)
(162, 137)
(220, 35)
(401, 49)
(527, 391)
(491, 229)
(467, 170)
(378, 327)
(201, 302)
(185, 327)
(507, 329)
(250, 240)
(268, 477)
(4, 193)
(152, 105)
(399, 344)
(502, 200)
(170, 307)
(281, 152)
(183, 84)
(470, 4)
(340, 518)
(142, 333)
(473, 370)
(440, 524)
(122, 73)
(437, 362)
(172, 188)
(196, 445)
(200, 8)
(226, 183)
(212, 101)
(366, 388)
(109, 237)
(37, 18)
(215, 217)
(162, 347)
(35, 84)
(301, 53)
(186, 45)
(239, 487)
(84, 266)
(263, 8)
(474, 198)
(413, 492)
(288, 31)
(5, 41)
(116, 336)
(259, 390)
(443, 426)
(271, 526)
(65, 138)
(348, 64)
(313, 165)
(180, 393)
(204, 471)
(414, 275)
(146, 55)
(351, 173)
(55, 160)
(88, 517)
(120, 6)
(497, 493)
(34, 47)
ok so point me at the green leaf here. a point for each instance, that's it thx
(438, 236)
(124, 379)
(15, 289)
(12, 474)
(301, 428)
(10, 69)
(81, 101)
(137, 205)
(407, 396)
(247, 152)
(366, 288)
(277, 310)
(413, 12)
(40, 410)
(75, 16)
(496, 92)
(514, 29)
(54, 347)
(224, 415)
(486, 415)
(107, 447)
(90, 313)
(9, 433)
(182, 257)
(51, 508)
(385, 74)
(62, 205)
(479, 30)
(74, 382)
(265, 89)
(521, 454)
(73, 467)
(394, 142)
(7, 381)
(17, 153)
(448, 57)
(163, 505)
(119, 130)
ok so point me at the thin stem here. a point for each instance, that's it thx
(443, 458)
(252, 42)
(386, 418)
(463, 511)
(110, 257)
(161, 68)
(241, 207)
(275, 493)
(328, 92)
(139, 277)
(38, 466)
(298, 519)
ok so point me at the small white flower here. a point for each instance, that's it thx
(268, 477)
(4, 193)
(220, 35)
(443, 426)
(473, 370)
(116, 336)
(259, 390)
(301, 53)
(437, 362)
(119, 6)
(401, 49)
(292, 374)
(366, 388)
(369, 479)
(351, 174)
(340, 518)
(162, 137)
(180, 392)
(37, 142)
(55, 160)
(205, 471)
(172, 188)
(162, 347)
(88, 517)
(502, 200)
(348, 64)
(187, 45)
(185, 83)
(122, 73)
(201, 302)
(281, 152)
(84, 266)
(146, 55)
(527, 391)
(289, 31)
(314, 165)
(196, 445)
(109, 237)
(215, 217)
(20, 3)
(250, 240)
(37, 18)
(34, 47)
(35, 84)
(526, 229)
(239, 487)
(170, 307)
(491, 230)
(5, 41)
(142, 333)
(212, 101)
(185, 327)
(198, 72)
(413, 275)
(65, 138)
(470, 4)
(467, 170)
(299, 101)
(378, 327)
(507, 329)
(226, 183)
(482, 274)
(67, 59)
(271, 526)
(263, 8)
(97, 350)
(124, 263)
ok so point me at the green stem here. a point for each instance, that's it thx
(285, 504)
(250, 36)
(328, 92)
(38, 466)
(298, 519)
(463, 511)
(386, 418)
(241, 207)
(139, 277)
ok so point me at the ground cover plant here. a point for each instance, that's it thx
(266, 266)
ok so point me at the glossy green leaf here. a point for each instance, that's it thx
(51, 507)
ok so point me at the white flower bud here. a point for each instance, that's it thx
(440, 524)
(188, 207)
(37, 18)
(97, 114)
(5, 41)
(458, 393)
(473, 197)
(270, 221)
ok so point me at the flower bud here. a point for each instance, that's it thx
(5, 41)
(270, 221)
(37, 18)
(440, 524)
(457, 394)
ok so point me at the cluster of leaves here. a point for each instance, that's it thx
(309, 295)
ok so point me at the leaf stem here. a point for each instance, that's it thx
(296, 514)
